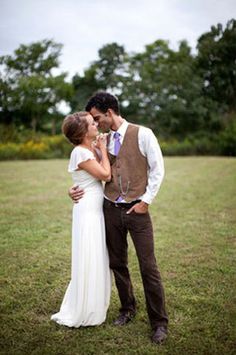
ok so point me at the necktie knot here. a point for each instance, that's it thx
(116, 135)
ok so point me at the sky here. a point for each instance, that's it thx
(83, 27)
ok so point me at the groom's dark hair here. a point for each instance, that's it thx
(102, 101)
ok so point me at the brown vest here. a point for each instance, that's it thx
(129, 169)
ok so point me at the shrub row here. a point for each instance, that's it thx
(45, 147)
(223, 143)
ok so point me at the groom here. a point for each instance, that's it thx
(137, 172)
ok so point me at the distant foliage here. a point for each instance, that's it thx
(188, 100)
(173, 92)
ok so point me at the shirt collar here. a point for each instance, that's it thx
(122, 129)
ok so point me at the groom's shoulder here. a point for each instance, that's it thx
(143, 130)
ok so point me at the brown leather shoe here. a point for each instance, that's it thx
(160, 335)
(124, 318)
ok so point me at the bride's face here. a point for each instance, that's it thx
(92, 127)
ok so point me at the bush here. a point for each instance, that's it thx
(191, 146)
(174, 147)
(44, 148)
(11, 133)
(227, 140)
(59, 147)
(33, 150)
(9, 151)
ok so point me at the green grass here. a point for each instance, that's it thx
(194, 221)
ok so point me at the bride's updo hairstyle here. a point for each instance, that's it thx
(75, 126)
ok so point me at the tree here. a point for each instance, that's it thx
(83, 87)
(106, 73)
(217, 64)
(29, 90)
(111, 66)
(164, 91)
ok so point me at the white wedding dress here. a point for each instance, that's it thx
(88, 295)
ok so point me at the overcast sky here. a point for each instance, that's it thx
(83, 27)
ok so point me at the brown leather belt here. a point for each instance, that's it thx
(121, 204)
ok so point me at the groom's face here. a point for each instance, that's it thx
(104, 121)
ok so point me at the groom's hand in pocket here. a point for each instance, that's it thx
(75, 193)
(139, 208)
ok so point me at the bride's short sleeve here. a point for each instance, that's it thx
(78, 155)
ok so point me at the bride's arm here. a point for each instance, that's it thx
(100, 170)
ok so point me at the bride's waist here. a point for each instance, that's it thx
(91, 188)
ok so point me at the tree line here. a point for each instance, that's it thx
(174, 92)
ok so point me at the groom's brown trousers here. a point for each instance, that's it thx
(118, 224)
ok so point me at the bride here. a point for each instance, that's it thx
(87, 297)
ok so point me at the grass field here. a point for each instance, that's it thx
(194, 219)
